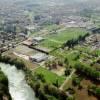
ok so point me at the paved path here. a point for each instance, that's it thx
(67, 79)
(22, 56)
(52, 40)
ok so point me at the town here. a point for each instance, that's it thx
(60, 51)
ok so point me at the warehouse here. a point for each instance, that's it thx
(38, 39)
(39, 57)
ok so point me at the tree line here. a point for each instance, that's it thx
(4, 89)
(88, 71)
(49, 92)
(12, 61)
(94, 90)
(71, 43)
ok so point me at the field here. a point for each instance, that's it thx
(22, 49)
(49, 76)
(50, 44)
(70, 33)
(57, 39)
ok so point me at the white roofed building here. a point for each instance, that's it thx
(39, 57)
(38, 39)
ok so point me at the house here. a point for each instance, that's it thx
(39, 57)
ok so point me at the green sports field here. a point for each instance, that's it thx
(57, 39)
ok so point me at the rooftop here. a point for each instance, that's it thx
(39, 57)
(38, 38)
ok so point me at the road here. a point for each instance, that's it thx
(52, 40)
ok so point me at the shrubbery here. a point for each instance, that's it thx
(44, 91)
(94, 90)
(8, 60)
(4, 87)
(71, 43)
(88, 71)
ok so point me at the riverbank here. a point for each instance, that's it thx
(4, 88)
(18, 87)
(20, 68)
(12, 61)
(42, 90)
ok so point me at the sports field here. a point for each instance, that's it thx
(58, 38)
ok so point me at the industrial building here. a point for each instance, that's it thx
(39, 57)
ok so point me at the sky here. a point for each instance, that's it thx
(56, 1)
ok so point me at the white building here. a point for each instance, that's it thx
(39, 57)
(38, 39)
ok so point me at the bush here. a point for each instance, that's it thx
(8, 60)
(94, 90)
(88, 71)
(4, 91)
(76, 81)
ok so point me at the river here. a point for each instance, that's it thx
(18, 87)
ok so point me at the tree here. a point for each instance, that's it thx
(76, 81)
(40, 77)
(36, 88)
(42, 95)
(56, 83)
(54, 64)
(66, 61)
(62, 95)
(67, 71)
(95, 90)
(60, 63)
(88, 71)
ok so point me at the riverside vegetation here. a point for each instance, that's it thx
(4, 89)
(42, 90)
(46, 91)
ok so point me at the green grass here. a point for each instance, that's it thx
(56, 40)
(52, 27)
(71, 55)
(49, 76)
(70, 33)
(50, 44)
(83, 49)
